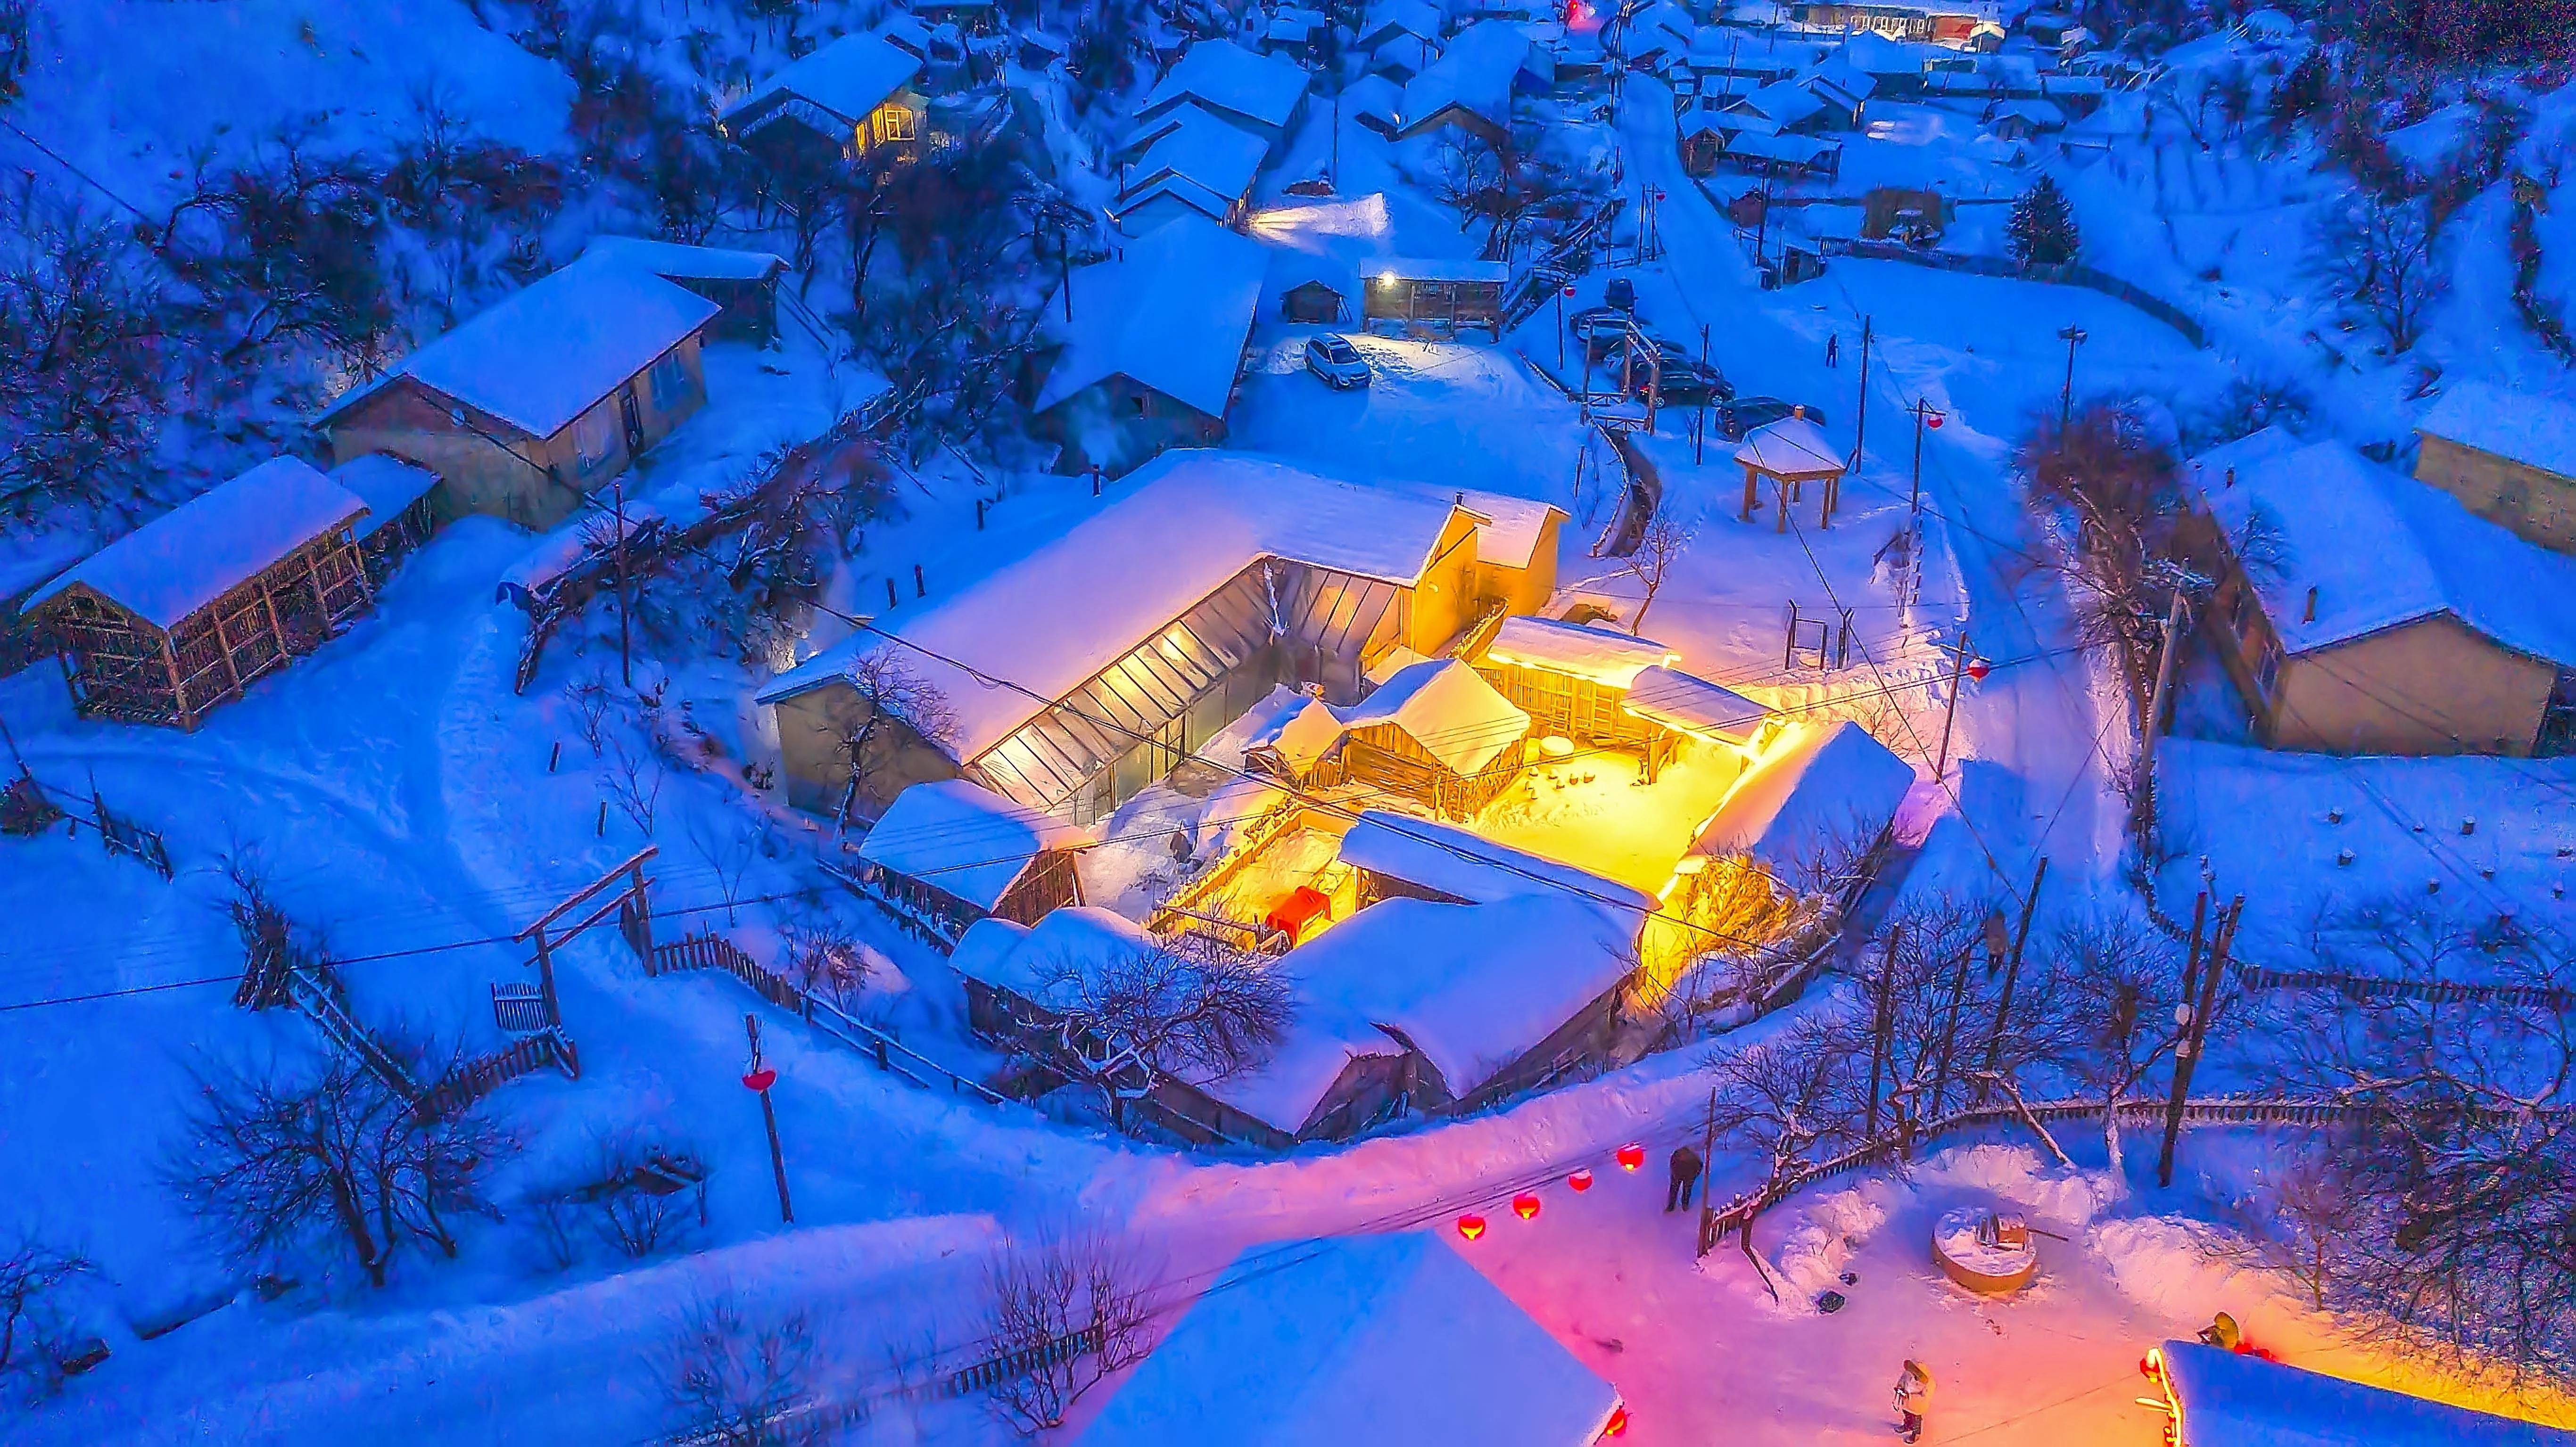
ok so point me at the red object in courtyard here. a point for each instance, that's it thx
(1471, 1226)
(1301, 908)
(1525, 1205)
(760, 1080)
(1581, 1180)
(1632, 1157)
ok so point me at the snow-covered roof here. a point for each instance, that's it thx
(1473, 987)
(848, 78)
(1474, 73)
(1356, 1339)
(1224, 75)
(1572, 648)
(214, 542)
(1418, 18)
(2040, 115)
(1037, 962)
(386, 484)
(1791, 447)
(1448, 708)
(2523, 427)
(1172, 314)
(2382, 550)
(1875, 54)
(2229, 1398)
(1822, 789)
(1783, 102)
(1219, 157)
(1373, 95)
(553, 349)
(1440, 268)
(1795, 150)
(1471, 867)
(1060, 615)
(673, 261)
(1684, 701)
(963, 838)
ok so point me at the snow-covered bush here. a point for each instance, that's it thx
(1060, 1314)
(734, 1380)
(40, 1338)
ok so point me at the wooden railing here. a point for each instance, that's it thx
(478, 1078)
(2371, 987)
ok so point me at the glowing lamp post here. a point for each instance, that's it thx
(1471, 1226)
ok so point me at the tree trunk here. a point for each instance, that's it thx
(353, 1221)
(2111, 1141)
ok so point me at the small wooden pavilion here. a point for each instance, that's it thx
(1791, 452)
(183, 613)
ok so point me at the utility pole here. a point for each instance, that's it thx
(2012, 969)
(1950, 710)
(757, 1080)
(1860, 426)
(2153, 724)
(2074, 337)
(2187, 1051)
(625, 654)
(1882, 1025)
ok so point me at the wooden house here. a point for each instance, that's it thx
(1263, 576)
(1262, 94)
(2023, 120)
(1959, 24)
(1472, 83)
(1442, 294)
(542, 399)
(2509, 457)
(1435, 733)
(744, 283)
(1416, 21)
(187, 611)
(2384, 617)
(1573, 683)
(1789, 454)
(399, 515)
(855, 94)
(1201, 166)
(949, 852)
(1313, 302)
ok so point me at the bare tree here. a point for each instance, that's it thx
(2130, 552)
(1662, 543)
(313, 1165)
(633, 784)
(2384, 257)
(826, 957)
(729, 846)
(2116, 983)
(39, 1339)
(893, 698)
(1125, 1020)
(1794, 1097)
(1072, 1310)
(83, 347)
(732, 1379)
(591, 695)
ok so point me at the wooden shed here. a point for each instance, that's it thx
(951, 852)
(1434, 732)
(1573, 683)
(1312, 303)
(744, 283)
(1443, 294)
(185, 612)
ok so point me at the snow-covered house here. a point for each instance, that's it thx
(1573, 682)
(2360, 611)
(1471, 85)
(1434, 732)
(2022, 120)
(190, 609)
(1789, 453)
(1292, 32)
(2509, 457)
(1417, 22)
(1961, 24)
(1376, 102)
(1895, 67)
(1263, 94)
(1445, 294)
(1810, 818)
(744, 283)
(851, 95)
(399, 516)
(1074, 677)
(1146, 353)
(2221, 1398)
(544, 397)
(1357, 1339)
(1202, 167)
(1659, 31)
(949, 852)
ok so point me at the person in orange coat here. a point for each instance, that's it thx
(1913, 1399)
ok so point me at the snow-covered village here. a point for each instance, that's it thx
(1156, 722)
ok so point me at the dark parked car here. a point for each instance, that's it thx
(1744, 414)
(1620, 294)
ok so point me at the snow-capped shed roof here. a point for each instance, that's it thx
(1472, 987)
(2381, 550)
(1060, 615)
(1221, 158)
(1037, 962)
(2228, 1398)
(1684, 701)
(1871, 53)
(1573, 648)
(847, 79)
(1471, 867)
(553, 349)
(2039, 115)
(1475, 73)
(2522, 427)
(673, 261)
(1356, 1339)
(1389, 18)
(1821, 790)
(1793, 150)
(963, 838)
(386, 484)
(1172, 314)
(1448, 708)
(1225, 76)
(1793, 447)
(186, 558)
(1783, 102)
(1440, 268)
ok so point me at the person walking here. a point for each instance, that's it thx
(1913, 1399)
(1685, 1166)
(1833, 347)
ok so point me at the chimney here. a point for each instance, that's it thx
(2311, 615)
(1799, 411)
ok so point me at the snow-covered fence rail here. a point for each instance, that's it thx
(477, 1078)
(2069, 274)
(992, 1371)
(2371, 987)
(315, 1000)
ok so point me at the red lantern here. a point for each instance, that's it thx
(1632, 1157)
(1617, 1426)
(760, 1080)
(1471, 1226)
(1932, 420)
(1569, 289)
(2148, 1364)
(1525, 1205)
(1979, 669)
(1581, 1180)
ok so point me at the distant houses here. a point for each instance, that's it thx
(2508, 457)
(1965, 24)
(852, 95)
(547, 395)
(2362, 612)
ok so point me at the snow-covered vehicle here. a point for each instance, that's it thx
(1337, 362)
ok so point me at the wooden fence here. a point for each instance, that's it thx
(1010, 1366)
(2370, 987)
(475, 1079)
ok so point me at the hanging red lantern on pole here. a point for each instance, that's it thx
(1632, 1157)
(1932, 420)
(1525, 1205)
(1471, 1226)
(1617, 1426)
(760, 1080)
(1979, 669)
(1581, 1180)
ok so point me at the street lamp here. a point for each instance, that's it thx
(2074, 337)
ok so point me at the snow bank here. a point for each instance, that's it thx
(2015, 1173)
(1813, 1254)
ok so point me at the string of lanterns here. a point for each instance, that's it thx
(1526, 1205)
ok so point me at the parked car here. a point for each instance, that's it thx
(1744, 414)
(1620, 294)
(1337, 362)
